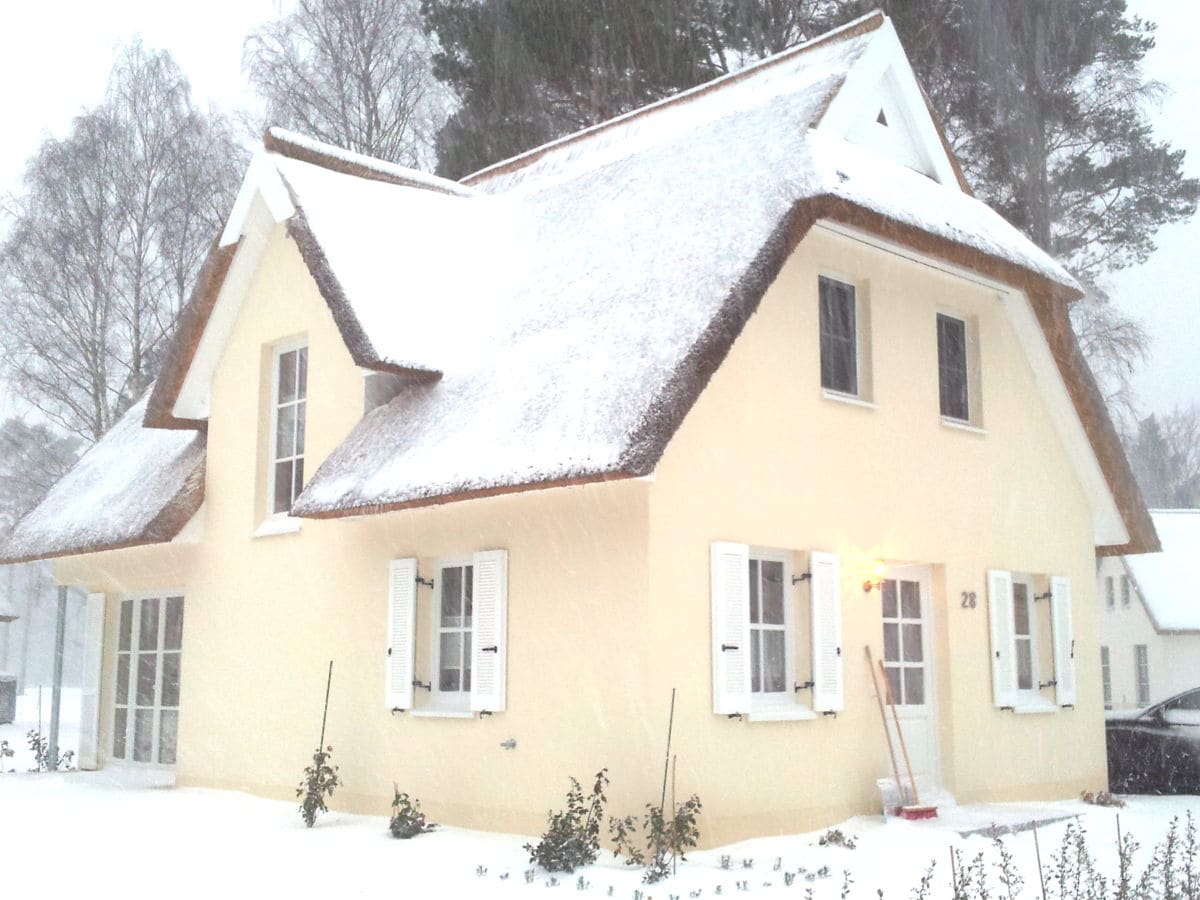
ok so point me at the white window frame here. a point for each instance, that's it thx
(439, 700)
(864, 395)
(974, 421)
(1110, 592)
(1126, 591)
(1032, 695)
(130, 705)
(785, 700)
(277, 351)
(1106, 676)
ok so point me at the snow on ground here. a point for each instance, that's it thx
(33, 709)
(190, 842)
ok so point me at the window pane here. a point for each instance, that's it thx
(466, 663)
(449, 660)
(146, 670)
(1020, 608)
(754, 589)
(283, 487)
(287, 376)
(300, 416)
(889, 599)
(126, 625)
(914, 686)
(910, 600)
(452, 597)
(893, 677)
(170, 679)
(120, 728)
(297, 478)
(772, 592)
(1024, 665)
(468, 597)
(839, 367)
(173, 634)
(285, 432)
(891, 642)
(148, 632)
(168, 727)
(122, 679)
(912, 643)
(143, 734)
(756, 660)
(774, 663)
(302, 378)
(952, 367)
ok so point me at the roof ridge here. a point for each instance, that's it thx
(347, 162)
(862, 25)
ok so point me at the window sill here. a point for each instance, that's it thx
(848, 399)
(443, 713)
(960, 425)
(1032, 707)
(782, 715)
(278, 524)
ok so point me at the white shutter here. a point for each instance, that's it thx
(731, 628)
(402, 620)
(93, 660)
(1004, 650)
(1064, 640)
(828, 690)
(489, 637)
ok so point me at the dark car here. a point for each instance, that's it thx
(1156, 750)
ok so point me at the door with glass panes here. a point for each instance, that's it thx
(149, 665)
(908, 659)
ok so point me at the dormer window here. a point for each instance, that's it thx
(289, 392)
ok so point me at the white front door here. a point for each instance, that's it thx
(908, 659)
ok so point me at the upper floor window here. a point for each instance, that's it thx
(839, 336)
(953, 388)
(289, 399)
(1125, 590)
(1110, 593)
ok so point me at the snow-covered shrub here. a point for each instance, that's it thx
(835, 838)
(407, 819)
(663, 839)
(572, 836)
(320, 780)
(40, 748)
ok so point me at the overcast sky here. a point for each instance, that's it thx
(55, 56)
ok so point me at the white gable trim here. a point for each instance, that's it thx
(1108, 526)
(195, 394)
(262, 180)
(883, 78)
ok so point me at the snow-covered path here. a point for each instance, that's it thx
(84, 835)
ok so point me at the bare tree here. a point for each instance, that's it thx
(1114, 345)
(106, 239)
(1165, 456)
(355, 73)
(32, 459)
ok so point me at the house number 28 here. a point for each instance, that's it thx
(968, 599)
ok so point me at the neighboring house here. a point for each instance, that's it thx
(1150, 619)
(707, 398)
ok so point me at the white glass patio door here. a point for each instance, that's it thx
(149, 664)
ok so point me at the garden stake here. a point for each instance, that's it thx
(1038, 850)
(1120, 849)
(674, 761)
(883, 717)
(953, 874)
(325, 713)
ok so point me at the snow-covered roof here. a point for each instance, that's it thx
(135, 486)
(1166, 581)
(557, 315)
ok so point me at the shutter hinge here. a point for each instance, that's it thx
(829, 712)
(1046, 596)
(1009, 708)
(803, 576)
(428, 582)
(734, 716)
(491, 649)
(1072, 648)
(725, 647)
(484, 712)
(398, 709)
(804, 687)
(839, 651)
(1067, 706)
(1045, 684)
(423, 684)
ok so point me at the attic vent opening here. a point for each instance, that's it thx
(881, 119)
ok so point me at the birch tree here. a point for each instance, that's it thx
(354, 73)
(107, 237)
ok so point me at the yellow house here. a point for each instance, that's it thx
(708, 398)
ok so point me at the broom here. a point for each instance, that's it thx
(887, 734)
(916, 810)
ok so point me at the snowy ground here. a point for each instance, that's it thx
(194, 843)
(33, 713)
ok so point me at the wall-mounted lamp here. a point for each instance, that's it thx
(875, 581)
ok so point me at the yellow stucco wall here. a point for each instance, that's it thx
(609, 603)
